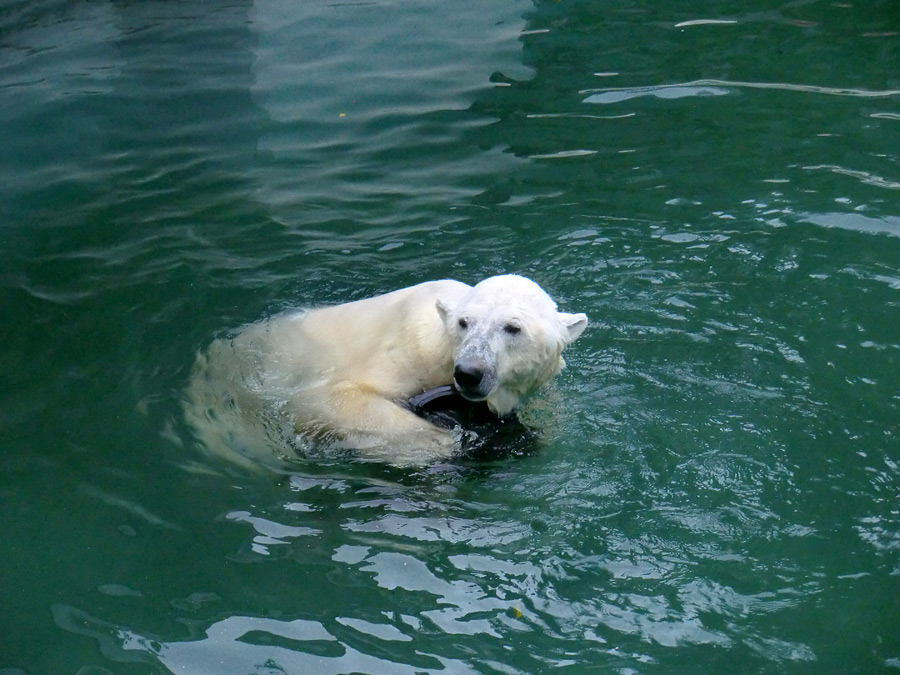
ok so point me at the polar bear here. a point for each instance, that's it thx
(342, 375)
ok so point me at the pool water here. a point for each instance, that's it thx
(717, 186)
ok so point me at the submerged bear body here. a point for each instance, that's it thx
(341, 376)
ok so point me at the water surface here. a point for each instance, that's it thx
(716, 186)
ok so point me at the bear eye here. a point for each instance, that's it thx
(463, 324)
(512, 329)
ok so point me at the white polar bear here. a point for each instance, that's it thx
(342, 375)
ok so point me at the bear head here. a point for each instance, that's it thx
(507, 338)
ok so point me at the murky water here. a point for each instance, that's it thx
(716, 186)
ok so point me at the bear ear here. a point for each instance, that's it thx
(443, 310)
(573, 325)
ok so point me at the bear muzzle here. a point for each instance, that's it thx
(473, 379)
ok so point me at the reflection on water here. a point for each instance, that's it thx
(721, 88)
(889, 225)
(505, 581)
(668, 91)
(239, 645)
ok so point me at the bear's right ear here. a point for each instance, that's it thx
(443, 310)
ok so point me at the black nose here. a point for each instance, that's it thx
(468, 376)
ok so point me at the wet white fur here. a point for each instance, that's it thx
(339, 375)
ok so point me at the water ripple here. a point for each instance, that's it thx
(720, 88)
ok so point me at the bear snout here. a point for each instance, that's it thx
(470, 379)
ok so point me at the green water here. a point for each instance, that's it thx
(716, 184)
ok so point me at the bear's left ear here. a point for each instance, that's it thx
(573, 325)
